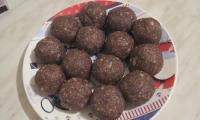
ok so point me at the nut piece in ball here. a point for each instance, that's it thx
(75, 93)
(90, 39)
(119, 44)
(65, 28)
(137, 87)
(120, 19)
(77, 63)
(49, 78)
(148, 58)
(108, 69)
(146, 30)
(93, 14)
(50, 50)
(107, 102)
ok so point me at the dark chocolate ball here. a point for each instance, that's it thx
(75, 93)
(49, 78)
(119, 44)
(49, 50)
(108, 69)
(120, 19)
(77, 63)
(93, 14)
(65, 28)
(90, 39)
(107, 102)
(147, 57)
(137, 87)
(146, 30)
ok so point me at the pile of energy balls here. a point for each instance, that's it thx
(118, 40)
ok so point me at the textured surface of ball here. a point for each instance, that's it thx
(137, 87)
(108, 69)
(93, 14)
(77, 63)
(148, 58)
(120, 19)
(146, 30)
(90, 39)
(75, 93)
(49, 78)
(119, 44)
(49, 50)
(65, 28)
(107, 102)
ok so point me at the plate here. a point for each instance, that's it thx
(46, 108)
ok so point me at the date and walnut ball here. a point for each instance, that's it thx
(49, 50)
(65, 28)
(90, 39)
(120, 19)
(74, 94)
(108, 69)
(49, 78)
(119, 44)
(93, 14)
(137, 87)
(146, 30)
(77, 63)
(140, 50)
(107, 102)
(148, 58)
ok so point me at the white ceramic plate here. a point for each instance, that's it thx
(45, 106)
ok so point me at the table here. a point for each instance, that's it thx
(180, 17)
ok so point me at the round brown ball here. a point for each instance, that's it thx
(119, 44)
(90, 39)
(49, 78)
(108, 69)
(93, 14)
(146, 30)
(107, 102)
(75, 93)
(77, 63)
(137, 87)
(148, 58)
(65, 28)
(49, 50)
(120, 19)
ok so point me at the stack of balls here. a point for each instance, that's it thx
(127, 40)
